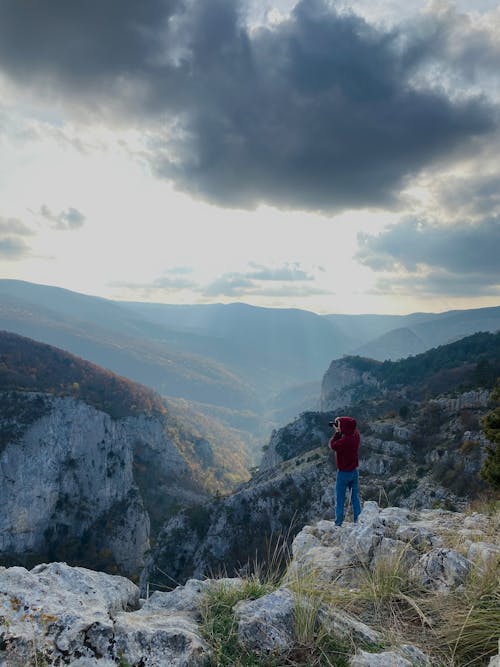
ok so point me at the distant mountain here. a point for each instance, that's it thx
(229, 359)
(424, 331)
(363, 328)
(395, 344)
(273, 348)
(238, 364)
(104, 333)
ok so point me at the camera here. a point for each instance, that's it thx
(334, 424)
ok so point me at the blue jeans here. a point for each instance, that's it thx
(346, 480)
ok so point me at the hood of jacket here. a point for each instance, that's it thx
(347, 425)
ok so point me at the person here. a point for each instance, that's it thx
(345, 443)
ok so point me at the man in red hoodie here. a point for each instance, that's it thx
(345, 444)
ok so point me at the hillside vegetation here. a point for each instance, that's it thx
(470, 362)
(27, 365)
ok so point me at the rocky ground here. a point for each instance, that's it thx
(58, 615)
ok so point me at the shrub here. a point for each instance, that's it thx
(490, 471)
(219, 625)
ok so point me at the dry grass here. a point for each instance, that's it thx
(467, 622)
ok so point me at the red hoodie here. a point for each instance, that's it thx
(346, 445)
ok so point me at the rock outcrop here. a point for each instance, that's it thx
(80, 617)
(343, 383)
(73, 616)
(75, 482)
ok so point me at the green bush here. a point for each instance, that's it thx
(490, 471)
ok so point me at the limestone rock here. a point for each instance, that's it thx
(342, 624)
(340, 383)
(405, 656)
(395, 550)
(64, 608)
(443, 569)
(385, 659)
(483, 553)
(266, 625)
(76, 616)
(156, 639)
(304, 541)
(188, 599)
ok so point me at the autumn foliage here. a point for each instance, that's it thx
(27, 365)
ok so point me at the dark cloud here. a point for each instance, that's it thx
(69, 220)
(432, 258)
(318, 112)
(86, 46)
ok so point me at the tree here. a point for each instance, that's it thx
(490, 471)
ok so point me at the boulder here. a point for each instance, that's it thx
(403, 656)
(395, 550)
(304, 541)
(340, 623)
(157, 639)
(70, 615)
(327, 565)
(442, 569)
(266, 625)
(419, 536)
(483, 553)
(58, 609)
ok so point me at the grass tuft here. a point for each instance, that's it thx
(469, 620)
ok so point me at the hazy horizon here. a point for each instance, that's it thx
(238, 302)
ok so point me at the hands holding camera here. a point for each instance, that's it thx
(336, 425)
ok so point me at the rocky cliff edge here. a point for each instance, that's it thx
(59, 615)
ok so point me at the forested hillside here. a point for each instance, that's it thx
(467, 363)
(28, 365)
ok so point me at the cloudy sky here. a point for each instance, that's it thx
(329, 155)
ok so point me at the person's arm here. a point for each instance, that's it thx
(335, 440)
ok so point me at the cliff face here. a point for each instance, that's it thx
(341, 384)
(70, 487)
